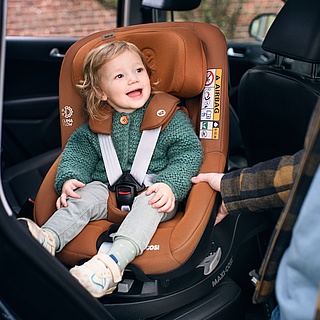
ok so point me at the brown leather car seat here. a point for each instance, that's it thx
(181, 54)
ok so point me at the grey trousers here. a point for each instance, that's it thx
(139, 225)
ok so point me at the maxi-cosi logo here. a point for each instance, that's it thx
(154, 247)
(222, 273)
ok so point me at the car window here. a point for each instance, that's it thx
(233, 17)
(79, 18)
(47, 18)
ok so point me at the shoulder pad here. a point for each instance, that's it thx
(160, 110)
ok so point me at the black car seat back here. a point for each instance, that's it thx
(276, 102)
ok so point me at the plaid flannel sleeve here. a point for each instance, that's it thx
(265, 186)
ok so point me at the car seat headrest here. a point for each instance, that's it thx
(172, 5)
(295, 32)
(175, 56)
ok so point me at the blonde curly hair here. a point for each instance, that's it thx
(89, 87)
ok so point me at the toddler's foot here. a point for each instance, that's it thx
(45, 238)
(99, 275)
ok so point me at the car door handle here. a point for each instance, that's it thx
(55, 53)
(232, 53)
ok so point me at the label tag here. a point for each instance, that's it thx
(210, 105)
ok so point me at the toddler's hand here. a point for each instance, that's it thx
(68, 191)
(164, 199)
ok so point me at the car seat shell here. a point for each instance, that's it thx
(192, 49)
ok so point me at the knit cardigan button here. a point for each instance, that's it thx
(124, 120)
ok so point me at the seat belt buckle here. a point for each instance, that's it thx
(125, 195)
(126, 189)
(254, 276)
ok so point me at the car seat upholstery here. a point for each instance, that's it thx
(180, 53)
(276, 103)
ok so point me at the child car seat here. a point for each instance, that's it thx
(190, 62)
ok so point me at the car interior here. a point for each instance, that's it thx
(196, 53)
(276, 102)
(199, 271)
(186, 82)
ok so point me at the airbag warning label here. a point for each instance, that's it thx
(211, 103)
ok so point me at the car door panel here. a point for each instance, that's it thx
(30, 127)
(31, 112)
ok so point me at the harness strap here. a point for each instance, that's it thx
(125, 193)
(144, 153)
(141, 160)
(158, 114)
(110, 158)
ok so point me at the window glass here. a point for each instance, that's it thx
(233, 17)
(65, 18)
(77, 18)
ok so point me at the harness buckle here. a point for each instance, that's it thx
(126, 189)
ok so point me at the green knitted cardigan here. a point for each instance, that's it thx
(177, 156)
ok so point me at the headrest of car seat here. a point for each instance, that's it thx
(176, 56)
(172, 5)
(295, 32)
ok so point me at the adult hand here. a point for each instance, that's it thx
(214, 180)
(222, 213)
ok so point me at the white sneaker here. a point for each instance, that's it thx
(99, 275)
(45, 238)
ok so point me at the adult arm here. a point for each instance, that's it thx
(265, 186)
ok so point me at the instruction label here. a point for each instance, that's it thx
(211, 105)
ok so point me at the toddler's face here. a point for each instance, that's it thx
(125, 83)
